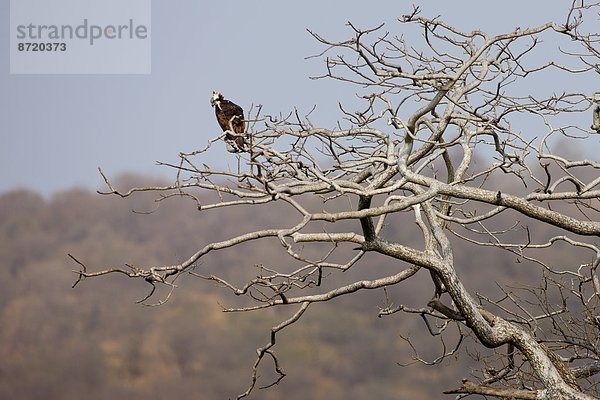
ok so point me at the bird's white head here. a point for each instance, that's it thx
(216, 99)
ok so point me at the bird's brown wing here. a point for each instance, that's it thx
(231, 118)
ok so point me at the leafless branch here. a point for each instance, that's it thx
(447, 144)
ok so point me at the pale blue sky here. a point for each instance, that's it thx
(55, 130)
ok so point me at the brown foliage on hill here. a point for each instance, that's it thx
(95, 342)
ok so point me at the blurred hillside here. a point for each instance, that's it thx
(94, 342)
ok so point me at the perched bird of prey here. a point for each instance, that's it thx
(230, 117)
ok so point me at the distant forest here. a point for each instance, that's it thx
(95, 342)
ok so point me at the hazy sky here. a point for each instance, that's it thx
(55, 130)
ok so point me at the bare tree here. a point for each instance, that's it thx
(451, 138)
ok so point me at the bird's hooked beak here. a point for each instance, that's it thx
(215, 103)
(215, 99)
